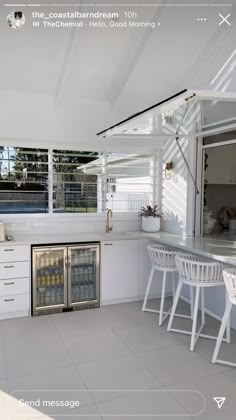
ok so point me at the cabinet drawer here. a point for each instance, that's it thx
(14, 270)
(14, 286)
(12, 303)
(14, 253)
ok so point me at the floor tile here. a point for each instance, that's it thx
(95, 348)
(143, 339)
(211, 386)
(120, 375)
(183, 307)
(74, 325)
(174, 364)
(88, 412)
(3, 372)
(116, 348)
(54, 384)
(123, 317)
(146, 404)
(29, 349)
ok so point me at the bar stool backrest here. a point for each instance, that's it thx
(191, 268)
(229, 275)
(162, 256)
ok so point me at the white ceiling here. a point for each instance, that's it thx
(81, 80)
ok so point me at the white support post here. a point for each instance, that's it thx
(154, 178)
(104, 182)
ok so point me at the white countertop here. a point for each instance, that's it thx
(60, 238)
(218, 248)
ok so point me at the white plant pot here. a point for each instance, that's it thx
(151, 224)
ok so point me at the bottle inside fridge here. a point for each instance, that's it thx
(83, 274)
(49, 272)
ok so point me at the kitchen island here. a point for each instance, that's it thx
(222, 250)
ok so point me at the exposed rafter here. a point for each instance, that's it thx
(129, 63)
(65, 63)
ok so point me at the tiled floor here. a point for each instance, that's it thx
(116, 362)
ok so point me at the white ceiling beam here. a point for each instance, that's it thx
(65, 63)
(128, 65)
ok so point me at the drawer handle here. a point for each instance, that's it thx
(7, 250)
(9, 300)
(108, 244)
(9, 266)
(9, 284)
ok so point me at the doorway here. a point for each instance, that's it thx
(218, 196)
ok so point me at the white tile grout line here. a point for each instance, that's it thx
(120, 5)
(120, 358)
(76, 368)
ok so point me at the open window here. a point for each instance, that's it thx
(219, 175)
(184, 126)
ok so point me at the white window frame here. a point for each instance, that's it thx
(156, 157)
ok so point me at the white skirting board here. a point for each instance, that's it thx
(17, 314)
(131, 299)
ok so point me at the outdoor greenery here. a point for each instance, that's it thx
(24, 181)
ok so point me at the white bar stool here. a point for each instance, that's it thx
(163, 260)
(229, 276)
(200, 275)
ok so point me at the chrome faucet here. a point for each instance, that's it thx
(108, 227)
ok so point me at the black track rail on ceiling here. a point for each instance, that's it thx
(143, 111)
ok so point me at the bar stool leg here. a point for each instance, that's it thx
(228, 323)
(203, 305)
(173, 280)
(195, 313)
(176, 299)
(148, 289)
(222, 330)
(191, 301)
(162, 298)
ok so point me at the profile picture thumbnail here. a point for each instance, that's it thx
(16, 20)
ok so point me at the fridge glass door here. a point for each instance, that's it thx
(83, 276)
(50, 274)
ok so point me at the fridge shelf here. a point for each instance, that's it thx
(49, 282)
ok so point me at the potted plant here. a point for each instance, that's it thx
(151, 217)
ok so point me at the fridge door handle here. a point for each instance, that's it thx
(69, 297)
(67, 261)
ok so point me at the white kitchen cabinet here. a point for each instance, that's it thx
(13, 270)
(14, 253)
(14, 305)
(119, 270)
(14, 286)
(221, 165)
(14, 281)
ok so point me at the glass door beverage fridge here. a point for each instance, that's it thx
(65, 278)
